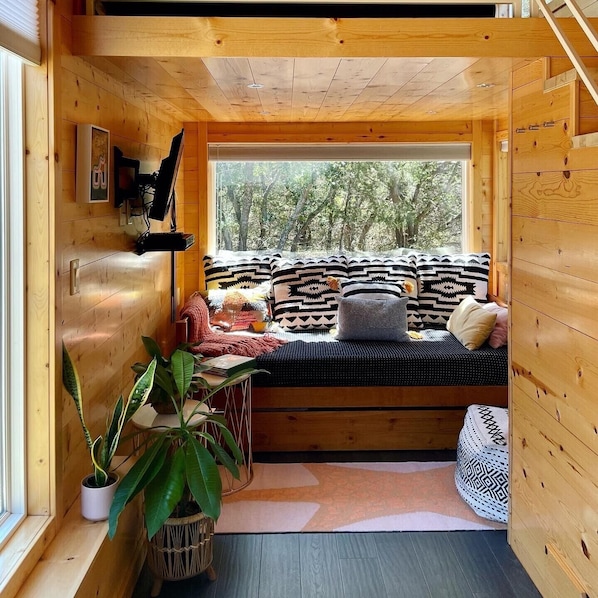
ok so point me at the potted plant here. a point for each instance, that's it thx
(165, 394)
(97, 489)
(178, 472)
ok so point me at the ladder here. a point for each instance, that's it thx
(583, 22)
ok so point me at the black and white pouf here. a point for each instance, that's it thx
(482, 472)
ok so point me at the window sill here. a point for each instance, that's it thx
(81, 561)
(22, 551)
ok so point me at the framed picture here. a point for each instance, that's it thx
(93, 164)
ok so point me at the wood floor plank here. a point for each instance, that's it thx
(320, 568)
(237, 567)
(479, 565)
(361, 577)
(280, 571)
(518, 578)
(441, 567)
(356, 546)
(401, 569)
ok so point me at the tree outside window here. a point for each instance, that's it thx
(351, 206)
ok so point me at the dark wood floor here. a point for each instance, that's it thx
(474, 564)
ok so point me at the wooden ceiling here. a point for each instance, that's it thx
(327, 89)
(317, 70)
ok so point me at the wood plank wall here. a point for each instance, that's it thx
(554, 341)
(122, 295)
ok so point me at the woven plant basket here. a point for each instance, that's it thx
(182, 548)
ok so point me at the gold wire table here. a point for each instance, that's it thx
(237, 411)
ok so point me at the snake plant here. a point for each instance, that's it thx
(103, 448)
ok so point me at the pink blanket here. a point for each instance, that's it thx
(221, 343)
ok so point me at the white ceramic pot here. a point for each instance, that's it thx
(96, 502)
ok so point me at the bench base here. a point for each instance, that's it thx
(364, 418)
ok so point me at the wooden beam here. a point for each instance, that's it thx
(305, 37)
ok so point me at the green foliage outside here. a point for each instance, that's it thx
(339, 206)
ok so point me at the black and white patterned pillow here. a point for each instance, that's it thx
(445, 280)
(398, 270)
(234, 272)
(303, 300)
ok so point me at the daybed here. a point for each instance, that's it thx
(327, 394)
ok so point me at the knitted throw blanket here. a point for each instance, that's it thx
(221, 343)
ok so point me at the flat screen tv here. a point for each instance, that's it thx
(166, 179)
(126, 177)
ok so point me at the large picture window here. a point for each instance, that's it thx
(339, 205)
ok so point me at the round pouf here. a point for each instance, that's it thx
(482, 472)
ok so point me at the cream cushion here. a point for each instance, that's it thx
(470, 323)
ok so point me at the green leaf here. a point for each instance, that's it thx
(164, 492)
(164, 380)
(203, 478)
(141, 474)
(100, 469)
(230, 441)
(226, 460)
(112, 437)
(70, 379)
(152, 347)
(140, 392)
(183, 365)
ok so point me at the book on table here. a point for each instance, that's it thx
(228, 365)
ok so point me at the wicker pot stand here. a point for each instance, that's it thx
(181, 548)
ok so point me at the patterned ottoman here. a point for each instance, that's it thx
(482, 472)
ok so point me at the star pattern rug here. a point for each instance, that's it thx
(350, 497)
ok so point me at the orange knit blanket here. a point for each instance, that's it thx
(220, 343)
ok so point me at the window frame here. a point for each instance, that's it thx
(365, 152)
(12, 328)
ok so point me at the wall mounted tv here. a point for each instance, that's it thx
(166, 178)
(126, 177)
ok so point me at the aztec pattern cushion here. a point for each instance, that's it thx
(234, 272)
(482, 472)
(303, 300)
(445, 280)
(399, 269)
(349, 287)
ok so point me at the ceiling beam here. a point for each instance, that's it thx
(308, 37)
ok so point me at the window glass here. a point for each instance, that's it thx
(12, 419)
(348, 206)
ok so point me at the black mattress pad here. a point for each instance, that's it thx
(316, 359)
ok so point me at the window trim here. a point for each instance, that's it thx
(362, 152)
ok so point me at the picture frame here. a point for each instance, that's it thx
(93, 164)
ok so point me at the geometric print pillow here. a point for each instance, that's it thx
(224, 272)
(303, 300)
(397, 270)
(445, 280)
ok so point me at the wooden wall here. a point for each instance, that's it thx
(554, 340)
(122, 295)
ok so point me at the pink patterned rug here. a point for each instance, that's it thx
(350, 497)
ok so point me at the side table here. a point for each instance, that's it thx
(237, 412)
(146, 417)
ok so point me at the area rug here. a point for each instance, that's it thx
(350, 497)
